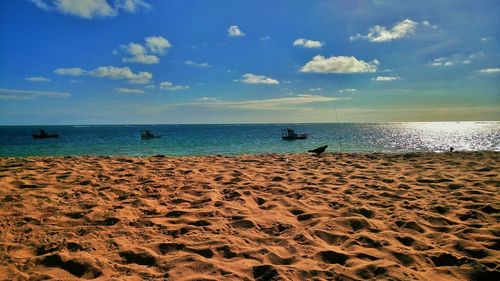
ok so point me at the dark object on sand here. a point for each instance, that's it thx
(41, 134)
(289, 134)
(451, 149)
(318, 150)
(146, 135)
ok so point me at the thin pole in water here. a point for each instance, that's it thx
(338, 135)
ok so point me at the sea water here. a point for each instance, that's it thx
(182, 140)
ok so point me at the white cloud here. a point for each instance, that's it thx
(490, 70)
(132, 6)
(122, 73)
(315, 89)
(10, 94)
(476, 55)
(379, 33)
(456, 59)
(135, 49)
(347, 91)
(145, 59)
(442, 61)
(307, 43)
(111, 72)
(484, 39)
(266, 37)
(139, 55)
(234, 31)
(272, 104)
(89, 9)
(74, 71)
(86, 9)
(340, 64)
(41, 4)
(386, 78)
(249, 78)
(129, 91)
(146, 54)
(37, 79)
(157, 44)
(150, 87)
(207, 99)
(197, 64)
(428, 24)
(169, 86)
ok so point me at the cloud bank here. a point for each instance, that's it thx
(17, 95)
(490, 70)
(268, 104)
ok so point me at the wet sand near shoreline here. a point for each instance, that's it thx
(418, 216)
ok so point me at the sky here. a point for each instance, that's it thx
(252, 61)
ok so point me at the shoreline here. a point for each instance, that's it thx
(387, 153)
(350, 216)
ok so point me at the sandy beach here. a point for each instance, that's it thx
(429, 216)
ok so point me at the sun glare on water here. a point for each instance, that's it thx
(466, 136)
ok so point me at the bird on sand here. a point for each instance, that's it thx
(318, 150)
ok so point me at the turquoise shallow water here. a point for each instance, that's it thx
(250, 138)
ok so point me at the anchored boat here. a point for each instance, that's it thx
(289, 134)
(41, 134)
(146, 135)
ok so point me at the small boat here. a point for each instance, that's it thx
(289, 134)
(41, 134)
(147, 135)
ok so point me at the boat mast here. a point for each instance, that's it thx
(338, 135)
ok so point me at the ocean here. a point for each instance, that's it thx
(187, 140)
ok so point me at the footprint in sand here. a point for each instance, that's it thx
(78, 268)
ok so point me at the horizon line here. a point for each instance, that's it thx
(247, 123)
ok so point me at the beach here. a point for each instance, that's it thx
(340, 216)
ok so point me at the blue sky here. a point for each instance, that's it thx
(146, 61)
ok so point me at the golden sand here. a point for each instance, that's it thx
(264, 217)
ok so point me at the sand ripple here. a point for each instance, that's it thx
(268, 217)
